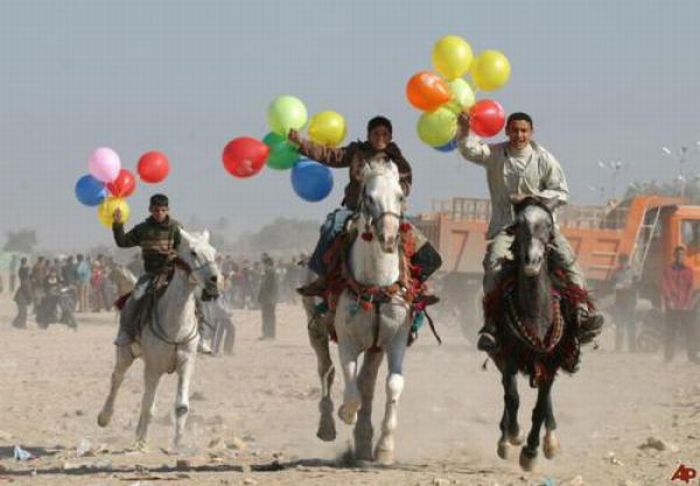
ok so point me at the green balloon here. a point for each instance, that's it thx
(286, 113)
(437, 127)
(283, 155)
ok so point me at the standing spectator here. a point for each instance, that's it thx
(96, 282)
(38, 277)
(23, 296)
(268, 297)
(14, 262)
(625, 305)
(69, 272)
(678, 302)
(83, 274)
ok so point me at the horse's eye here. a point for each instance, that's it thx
(193, 253)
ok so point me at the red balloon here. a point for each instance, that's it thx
(153, 167)
(427, 91)
(124, 185)
(245, 156)
(486, 118)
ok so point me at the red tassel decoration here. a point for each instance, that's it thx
(367, 236)
(404, 227)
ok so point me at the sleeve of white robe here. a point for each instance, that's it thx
(474, 150)
(554, 188)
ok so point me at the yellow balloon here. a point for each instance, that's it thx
(491, 70)
(105, 211)
(462, 96)
(327, 128)
(437, 127)
(452, 56)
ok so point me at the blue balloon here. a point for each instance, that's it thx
(448, 147)
(90, 191)
(311, 181)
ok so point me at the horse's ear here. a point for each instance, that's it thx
(185, 236)
(205, 235)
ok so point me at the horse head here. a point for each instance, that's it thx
(199, 256)
(382, 202)
(533, 231)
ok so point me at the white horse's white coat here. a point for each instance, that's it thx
(175, 313)
(374, 263)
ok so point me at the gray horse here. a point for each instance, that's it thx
(535, 308)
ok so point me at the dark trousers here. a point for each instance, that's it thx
(683, 323)
(269, 321)
(20, 320)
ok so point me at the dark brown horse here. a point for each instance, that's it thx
(535, 307)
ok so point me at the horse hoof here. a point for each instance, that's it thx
(528, 459)
(551, 445)
(364, 454)
(326, 432)
(385, 457)
(504, 449)
(348, 413)
(103, 419)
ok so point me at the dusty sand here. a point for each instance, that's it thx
(53, 383)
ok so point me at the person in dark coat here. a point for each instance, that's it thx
(268, 297)
(23, 296)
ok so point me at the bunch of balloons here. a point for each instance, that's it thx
(442, 96)
(107, 185)
(246, 156)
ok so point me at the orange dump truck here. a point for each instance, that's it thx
(645, 228)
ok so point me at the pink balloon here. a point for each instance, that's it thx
(104, 164)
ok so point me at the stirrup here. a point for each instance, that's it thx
(487, 342)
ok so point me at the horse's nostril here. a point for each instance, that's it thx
(214, 279)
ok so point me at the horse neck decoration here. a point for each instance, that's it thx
(374, 258)
(169, 343)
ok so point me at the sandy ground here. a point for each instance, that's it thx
(254, 415)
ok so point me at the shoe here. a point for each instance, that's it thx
(487, 342)
(429, 299)
(589, 325)
(315, 289)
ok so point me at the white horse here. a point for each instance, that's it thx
(169, 343)
(374, 261)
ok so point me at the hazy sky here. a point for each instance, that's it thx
(604, 80)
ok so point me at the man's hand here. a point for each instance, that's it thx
(517, 198)
(117, 216)
(462, 125)
(294, 137)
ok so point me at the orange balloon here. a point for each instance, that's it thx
(427, 91)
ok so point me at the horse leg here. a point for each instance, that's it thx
(510, 430)
(351, 397)
(528, 454)
(185, 370)
(366, 382)
(318, 337)
(123, 361)
(551, 442)
(151, 379)
(384, 453)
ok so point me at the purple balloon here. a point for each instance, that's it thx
(104, 164)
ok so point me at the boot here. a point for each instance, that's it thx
(487, 338)
(314, 289)
(589, 324)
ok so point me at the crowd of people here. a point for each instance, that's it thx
(96, 282)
